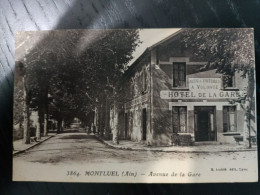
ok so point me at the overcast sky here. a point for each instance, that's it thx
(150, 37)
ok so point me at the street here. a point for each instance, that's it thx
(77, 148)
(77, 156)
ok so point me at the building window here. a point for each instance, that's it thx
(228, 80)
(179, 74)
(179, 119)
(229, 118)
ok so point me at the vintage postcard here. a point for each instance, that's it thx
(135, 106)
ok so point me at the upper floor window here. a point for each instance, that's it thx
(179, 74)
(228, 80)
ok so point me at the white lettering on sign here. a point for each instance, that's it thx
(202, 88)
(203, 84)
(167, 94)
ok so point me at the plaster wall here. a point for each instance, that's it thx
(137, 95)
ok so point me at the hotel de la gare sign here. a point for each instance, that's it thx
(202, 88)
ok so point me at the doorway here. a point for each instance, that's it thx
(144, 124)
(205, 123)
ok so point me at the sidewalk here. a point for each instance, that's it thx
(20, 147)
(203, 148)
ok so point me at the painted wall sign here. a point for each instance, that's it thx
(203, 84)
(202, 88)
(167, 94)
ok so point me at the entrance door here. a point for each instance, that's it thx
(144, 124)
(205, 123)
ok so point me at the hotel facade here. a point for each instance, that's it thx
(168, 91)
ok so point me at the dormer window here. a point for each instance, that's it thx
(179, 74)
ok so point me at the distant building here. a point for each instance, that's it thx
(167, 91)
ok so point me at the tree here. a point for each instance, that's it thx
(228, 51)
(74, 67)
(24, 94)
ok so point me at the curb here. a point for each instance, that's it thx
(22, 151)
(173, 151)
(104, 142)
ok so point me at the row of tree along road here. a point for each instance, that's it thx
(65, 73)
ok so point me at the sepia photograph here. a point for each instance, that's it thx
(135, 106)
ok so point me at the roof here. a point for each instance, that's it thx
(148, 49)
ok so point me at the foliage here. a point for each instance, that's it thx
(71, 69)
(227, 50)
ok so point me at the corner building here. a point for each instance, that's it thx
(167, 91)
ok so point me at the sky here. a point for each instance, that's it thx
(150, 37)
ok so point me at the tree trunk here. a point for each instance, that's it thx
(59, 126)
(54, 124)
(107, 119)
(46, 112)
(38, 127)
(45, 133)
(247, 123)
(115, 128)
(62, 125)
(95, 127)
(101, 120)
(249, 105)
(26, 115)
(41, 119)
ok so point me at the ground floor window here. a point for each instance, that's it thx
(179, 119)
(229, 118)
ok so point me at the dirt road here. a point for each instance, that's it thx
(83, 148)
